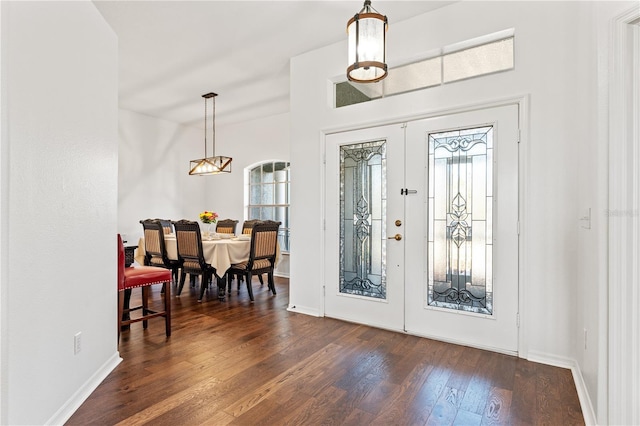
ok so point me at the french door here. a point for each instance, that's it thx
(421, 227)
(462, 251)
(364, 275)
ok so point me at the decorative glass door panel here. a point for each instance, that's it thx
(362, 219)
(460, 249)
(461, 238)
(364, 269)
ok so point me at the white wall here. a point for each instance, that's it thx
(59, 207)
(591, 315)
(153, 172)
(556, 69)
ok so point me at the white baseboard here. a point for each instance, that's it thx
(304, 310)
(66, 411)
(556, 361)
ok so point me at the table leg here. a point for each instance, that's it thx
(221, 287)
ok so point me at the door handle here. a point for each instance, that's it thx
(396, 237)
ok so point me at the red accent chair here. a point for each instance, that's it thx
(143, 277)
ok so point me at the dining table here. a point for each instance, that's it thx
(220, 251)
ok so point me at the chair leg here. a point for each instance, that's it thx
(272, 286)
(183, 276)
(167, 310)
(260, 278)
(229, 280)
(145, 304)
(120, 310)
(205, 281)
(249, 289)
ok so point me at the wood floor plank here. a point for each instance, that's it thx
(465, 418)
(523, 410)
(257, 395)
(317, 413)
(167, 404)
(445, 410)
(243, 363)
(498, 407)
(397, 405)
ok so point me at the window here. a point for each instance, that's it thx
(267, 196)
(471, 58)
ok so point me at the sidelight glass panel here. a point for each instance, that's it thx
(460, 219)
(363, 219)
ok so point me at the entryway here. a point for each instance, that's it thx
(422, 227)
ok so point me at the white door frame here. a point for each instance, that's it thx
(623, 224)
(523, 102)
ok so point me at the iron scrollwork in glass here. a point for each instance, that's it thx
(460, 248)
(362, 219)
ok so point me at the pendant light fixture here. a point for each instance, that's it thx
(214, 164)
(367, 45)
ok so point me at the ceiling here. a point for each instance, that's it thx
(172, 52)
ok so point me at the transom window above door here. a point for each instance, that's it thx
(472, 58)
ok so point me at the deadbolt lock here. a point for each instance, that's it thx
(396, 237)
(398, 222)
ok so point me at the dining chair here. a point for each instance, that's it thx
(167, 226)
(156, 249)
(247, 226)
(141, 277)
(262, 257)
(226, 226)
(191, 256)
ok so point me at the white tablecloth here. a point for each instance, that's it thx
(220, 254)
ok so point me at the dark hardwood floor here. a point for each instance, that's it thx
(241, 363)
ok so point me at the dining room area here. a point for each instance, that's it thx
(212, 253)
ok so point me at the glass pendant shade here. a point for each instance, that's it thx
(367, 45)
(215, 164)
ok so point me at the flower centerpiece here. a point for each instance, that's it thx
(208, 218)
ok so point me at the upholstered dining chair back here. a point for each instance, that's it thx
(226, 226)
(167, 226)
(248, 225)
(263, 241)
(190, 253)
(189, 241)
(154, 245)
(262, 256)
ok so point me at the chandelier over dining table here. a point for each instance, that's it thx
(215, 164)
